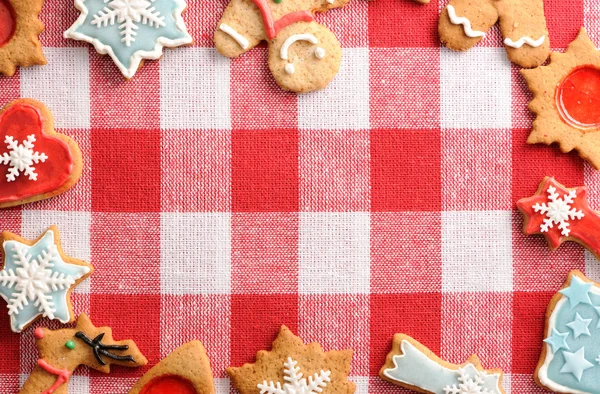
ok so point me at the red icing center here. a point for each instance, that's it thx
(169, 384)
(7, 22)
(19, 122)
(578, 98)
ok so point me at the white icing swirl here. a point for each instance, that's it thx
(292, 39)
(457, 20)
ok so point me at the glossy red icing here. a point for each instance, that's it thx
(20, 121)
(7, 22)
(169, 384)
(578, 98)
(273, 28)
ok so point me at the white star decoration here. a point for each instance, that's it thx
(21, 158)
(558, 211)
(296, 384)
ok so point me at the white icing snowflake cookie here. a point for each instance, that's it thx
(130, 30)
(37, 278)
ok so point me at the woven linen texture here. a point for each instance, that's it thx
(215, 206)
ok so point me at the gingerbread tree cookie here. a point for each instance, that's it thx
(566, 100)
(19, 30)
(293, 367)
(63, 350)
(463, 23)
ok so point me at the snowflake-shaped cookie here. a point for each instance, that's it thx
(36, 280)
(558, 211)
(21, 158)
(130, 30)
(296, 384)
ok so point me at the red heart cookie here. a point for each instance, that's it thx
(578, 98)
(35, 161)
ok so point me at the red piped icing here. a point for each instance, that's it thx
(62, 375)
(39, 333)
(273, 28)
(169, 384)
(19, 121)
(578, 98)
(7, 22)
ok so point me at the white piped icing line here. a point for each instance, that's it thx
(292, 39)
(524, 40)
(457, 20)
(240, 39)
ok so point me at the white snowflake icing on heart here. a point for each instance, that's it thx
(129, 13)
(21, 158)
(468, 384)
(558, 211)
(296, 384)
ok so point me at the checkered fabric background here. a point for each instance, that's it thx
(216, 206)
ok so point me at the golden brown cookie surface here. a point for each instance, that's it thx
(291, 362)
(19, 30)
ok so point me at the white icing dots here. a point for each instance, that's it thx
(319, 53)
(290, 69)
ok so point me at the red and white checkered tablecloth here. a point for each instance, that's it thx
(215, 206)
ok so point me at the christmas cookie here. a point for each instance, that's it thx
(561, 214)
(411, 365)
(185, 371)
(522, 23)
(19, 30)
(35, 161)
(566, 100)
(37, 278)
(130, 31)
(303, 54)
(62, 351)
(571, 351)
(293, 367)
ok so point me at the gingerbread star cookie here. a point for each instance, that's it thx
(463, 23)
(185, 371)
(130, 31)
(63, 350)
(37, 278)
(293, 367)
(19, 30)
(413, 366)
(566, 100)
(36, 162)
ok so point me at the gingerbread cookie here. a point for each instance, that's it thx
(293, 367)
(130, 31)
(571, 349)
(522, 23)
(37, 278)
(62, 351)
(36, 162)
(185, 371)
(561, 214)
(303, 55)
(565, 100)
(19, 31)
(411, 365)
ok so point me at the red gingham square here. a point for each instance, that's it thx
(564, 19)
(10, 220)
(316, 312)
(414, 314)
(477, 323)
(57, 16)
(9, 343)
(206, 318)
(334, 170)
(201, 19)
(405, 87)
(197, 178)
(406, 252)
(126, 240)
(10, 88)
(264, 253)
(264, 170)
(126, 171)
(405, 170)
(350, 24)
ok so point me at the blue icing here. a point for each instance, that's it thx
(147, 35)
(13, 270)
(557, 341)
(587, 345)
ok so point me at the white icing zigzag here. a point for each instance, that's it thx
(456, 20)
(525, 40)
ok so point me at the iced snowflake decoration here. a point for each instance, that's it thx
(35, 281)
(558, 211)
(129, 13)
(469, 384)
(296, 384)
(21, 158)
